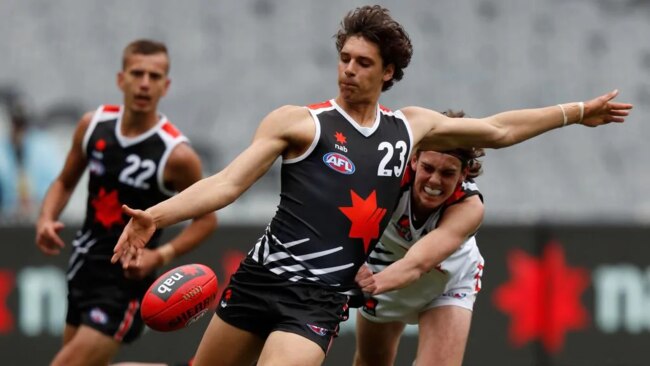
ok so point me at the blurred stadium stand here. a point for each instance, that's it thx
(233, 62)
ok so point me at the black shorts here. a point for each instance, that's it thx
(261, 302)
(110, 310)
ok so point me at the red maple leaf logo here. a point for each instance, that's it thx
(340, 138)
(542, 297)
(108, 209)
(365, 217)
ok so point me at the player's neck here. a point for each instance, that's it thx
(134, 123)
(363, 113)
(419, 215)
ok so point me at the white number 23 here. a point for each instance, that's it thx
(383, 171)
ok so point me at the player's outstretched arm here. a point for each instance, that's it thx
(459, 222)
(183, 169)
(437, 132)
(58, 195)
(274, 135)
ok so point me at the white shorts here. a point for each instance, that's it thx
(456, 282)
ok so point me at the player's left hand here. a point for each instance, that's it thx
(365, 279)
(603, 110)
(141, 266)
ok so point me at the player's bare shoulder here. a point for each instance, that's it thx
(292, 124)
(84, 122)
(183, 167)
(290, 118)
(183, 154)
(422, 121)
(80, 130)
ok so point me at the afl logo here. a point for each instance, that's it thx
(339, 162)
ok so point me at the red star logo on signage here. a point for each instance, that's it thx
(6, 286)
(542, 297)
(365, 217)
(340, 138)
(108, 209)
(230, 263)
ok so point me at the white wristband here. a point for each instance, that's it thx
(563, 115)
(582, 111)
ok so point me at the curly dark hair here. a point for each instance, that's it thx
(375, 24)
(468, 156)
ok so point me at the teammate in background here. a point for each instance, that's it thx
(343, 162)
(427, 267)
(135, 156)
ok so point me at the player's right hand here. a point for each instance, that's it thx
(47, 237)
(365, 279)
(135, 236)
(144, 264)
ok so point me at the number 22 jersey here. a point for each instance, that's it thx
(122, 170)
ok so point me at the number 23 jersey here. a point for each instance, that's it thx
(337, 198)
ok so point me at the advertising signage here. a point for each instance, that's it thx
(550, 296)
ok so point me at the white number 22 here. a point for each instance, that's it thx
(382, 171)
(146, 167)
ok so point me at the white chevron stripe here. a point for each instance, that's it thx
(331, 269)
(81, 250)
(307, 257)
(74, 270)
(78, 241)
(282, 269)
(291, 243)
(276, 257)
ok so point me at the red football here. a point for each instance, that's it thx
(179, 297)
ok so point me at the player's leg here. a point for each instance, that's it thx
(443, 333)
(68, 333)
(376, 342)
(87, 347)
(290, 349)
(225, 345)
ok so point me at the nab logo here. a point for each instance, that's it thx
(339, 162)
(96, 167)
(167, 285)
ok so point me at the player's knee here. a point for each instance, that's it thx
(66, 357)
(81, 354)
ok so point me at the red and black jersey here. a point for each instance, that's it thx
(122, 170)
(337, 198)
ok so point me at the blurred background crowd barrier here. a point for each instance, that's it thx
(577, 189)
(551, 296)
